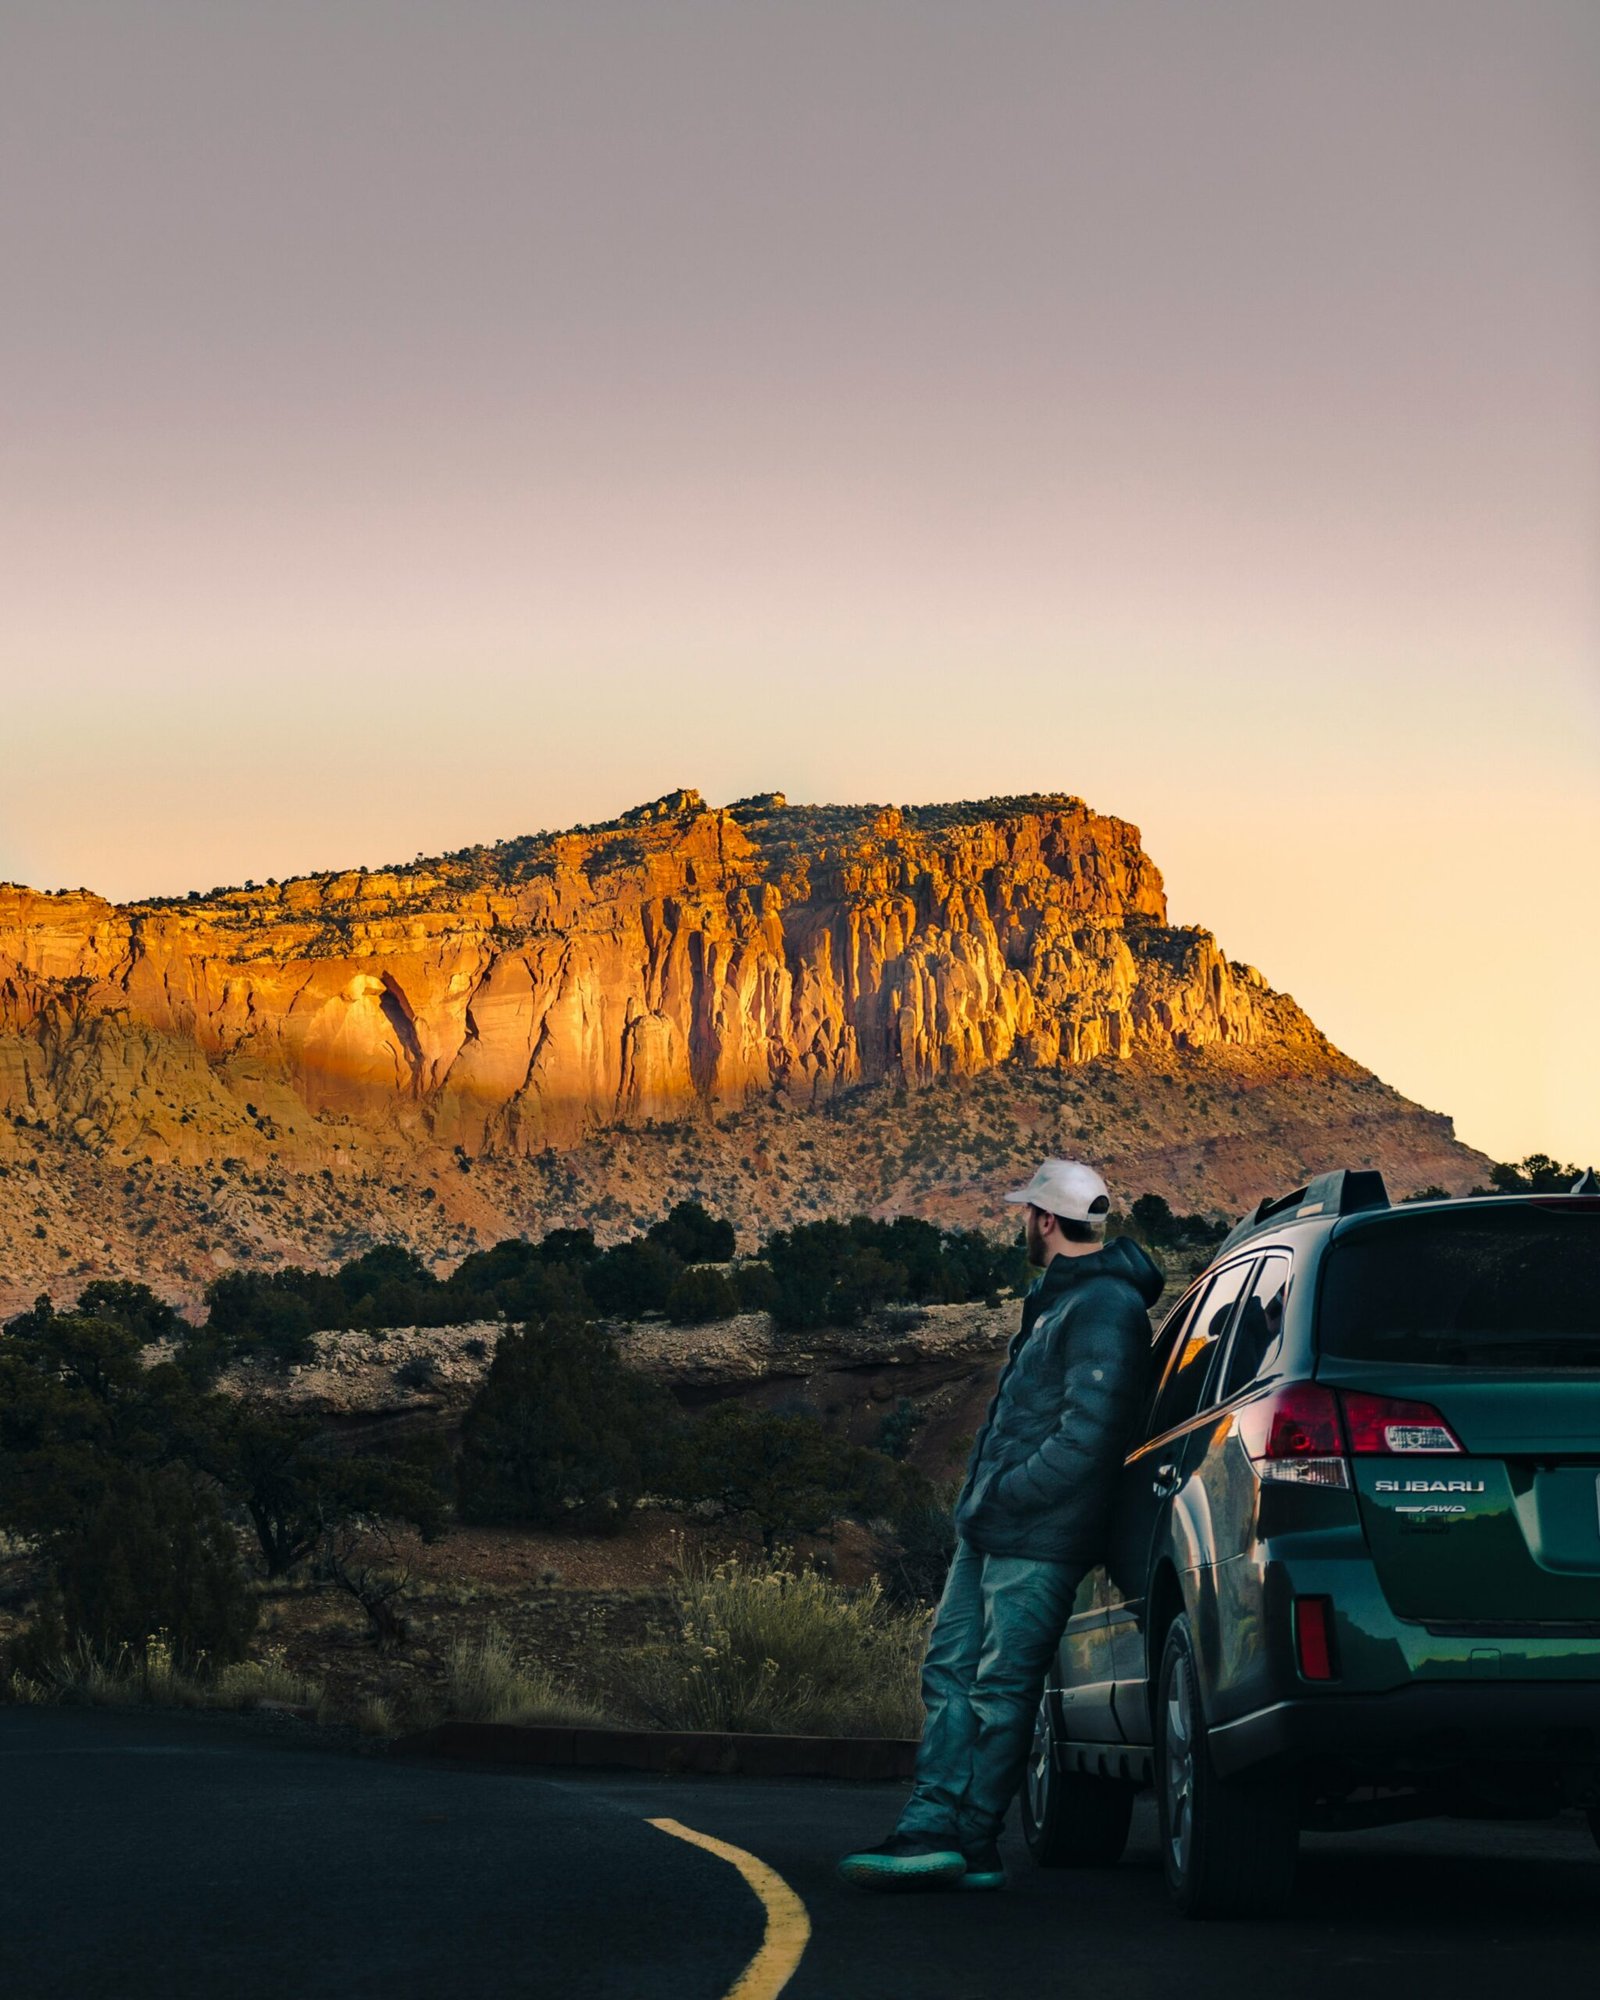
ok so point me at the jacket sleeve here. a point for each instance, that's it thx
(1104, 1377)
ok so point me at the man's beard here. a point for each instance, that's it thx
(1035, 1241)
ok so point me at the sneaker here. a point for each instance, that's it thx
(904, 1861)
(984, 1868)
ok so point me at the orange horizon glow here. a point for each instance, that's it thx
(424, 429)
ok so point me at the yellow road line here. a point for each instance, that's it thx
(788, 1926)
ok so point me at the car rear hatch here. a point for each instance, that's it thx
(1465, 1344)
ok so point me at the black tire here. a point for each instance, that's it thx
(1594, 1823)
(1228, 1845)
(1070, 1821)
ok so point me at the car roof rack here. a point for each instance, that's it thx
(1346, 1191)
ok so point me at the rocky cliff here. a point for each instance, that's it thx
(518, 998)
(511, 1005)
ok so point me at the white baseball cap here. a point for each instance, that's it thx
(1066, 1188)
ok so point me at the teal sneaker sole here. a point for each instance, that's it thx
(887, 1871)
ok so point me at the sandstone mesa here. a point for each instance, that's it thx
(584, 1025)
(683, 957)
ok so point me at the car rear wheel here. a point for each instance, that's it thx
(1070, 1821)
(1228, 1845)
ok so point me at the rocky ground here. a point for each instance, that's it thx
(563, 1601)
(1210, 1132)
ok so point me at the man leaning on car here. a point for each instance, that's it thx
(1030, 1523)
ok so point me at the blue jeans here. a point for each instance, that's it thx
(994, 1635)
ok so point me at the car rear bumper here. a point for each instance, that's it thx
(1555, 1723)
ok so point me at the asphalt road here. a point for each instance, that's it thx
(179, 1857)
(150, 1855)
(1438, 1910)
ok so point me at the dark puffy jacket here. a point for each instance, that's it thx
(1044, 1467)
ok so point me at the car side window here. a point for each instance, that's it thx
(1259, 1331)
(1167, 1337)
(1180, 1394)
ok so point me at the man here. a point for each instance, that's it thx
(1030, 1522)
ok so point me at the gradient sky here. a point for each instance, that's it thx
(425, 424)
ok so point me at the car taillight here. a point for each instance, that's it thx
(1313, 1637)
(1294, 1434)
(1384, 1426)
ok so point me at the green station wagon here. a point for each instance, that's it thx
(1353, 1575)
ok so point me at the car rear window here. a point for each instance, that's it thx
(1506, 1287)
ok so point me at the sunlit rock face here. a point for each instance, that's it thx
(511, 999)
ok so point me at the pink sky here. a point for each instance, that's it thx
(424, 425)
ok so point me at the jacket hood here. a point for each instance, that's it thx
(1120, 1258)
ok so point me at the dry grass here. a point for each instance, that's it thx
(252, 1682)
(154, 1679)
(770, 1649)
(126, 1679)
(20, 1690)
(767, 1645)
(488, 1684)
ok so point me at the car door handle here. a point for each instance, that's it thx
(1165, 1481)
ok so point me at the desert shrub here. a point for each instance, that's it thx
(815, 1274)
(522, 1280)
(387, 1285)
(79, 1408)
(1153, 1219)
(762, 1647)
(689, 1232)
(487, 1683)
(632, 1278)
(525, 1279)
(913, 1552)
(700, 1295)
(481, 1273)
(267, 1316)
(1537, 1173)
(296, 1488)
(133, 1306)
(831, 1273)
(46, 1667)
(101, 1468)
(544, 1289)
(568, 1246)
(271, 1315)
(155, 1556)
(976, 1266)
(899, 1427)
(247, 1683)
(807, 1263)
(785, 1472)
(866, 1278)
(359, 1558)
(755, 1287)
(418, 1371)
(559, 1431)
(374, 1715)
